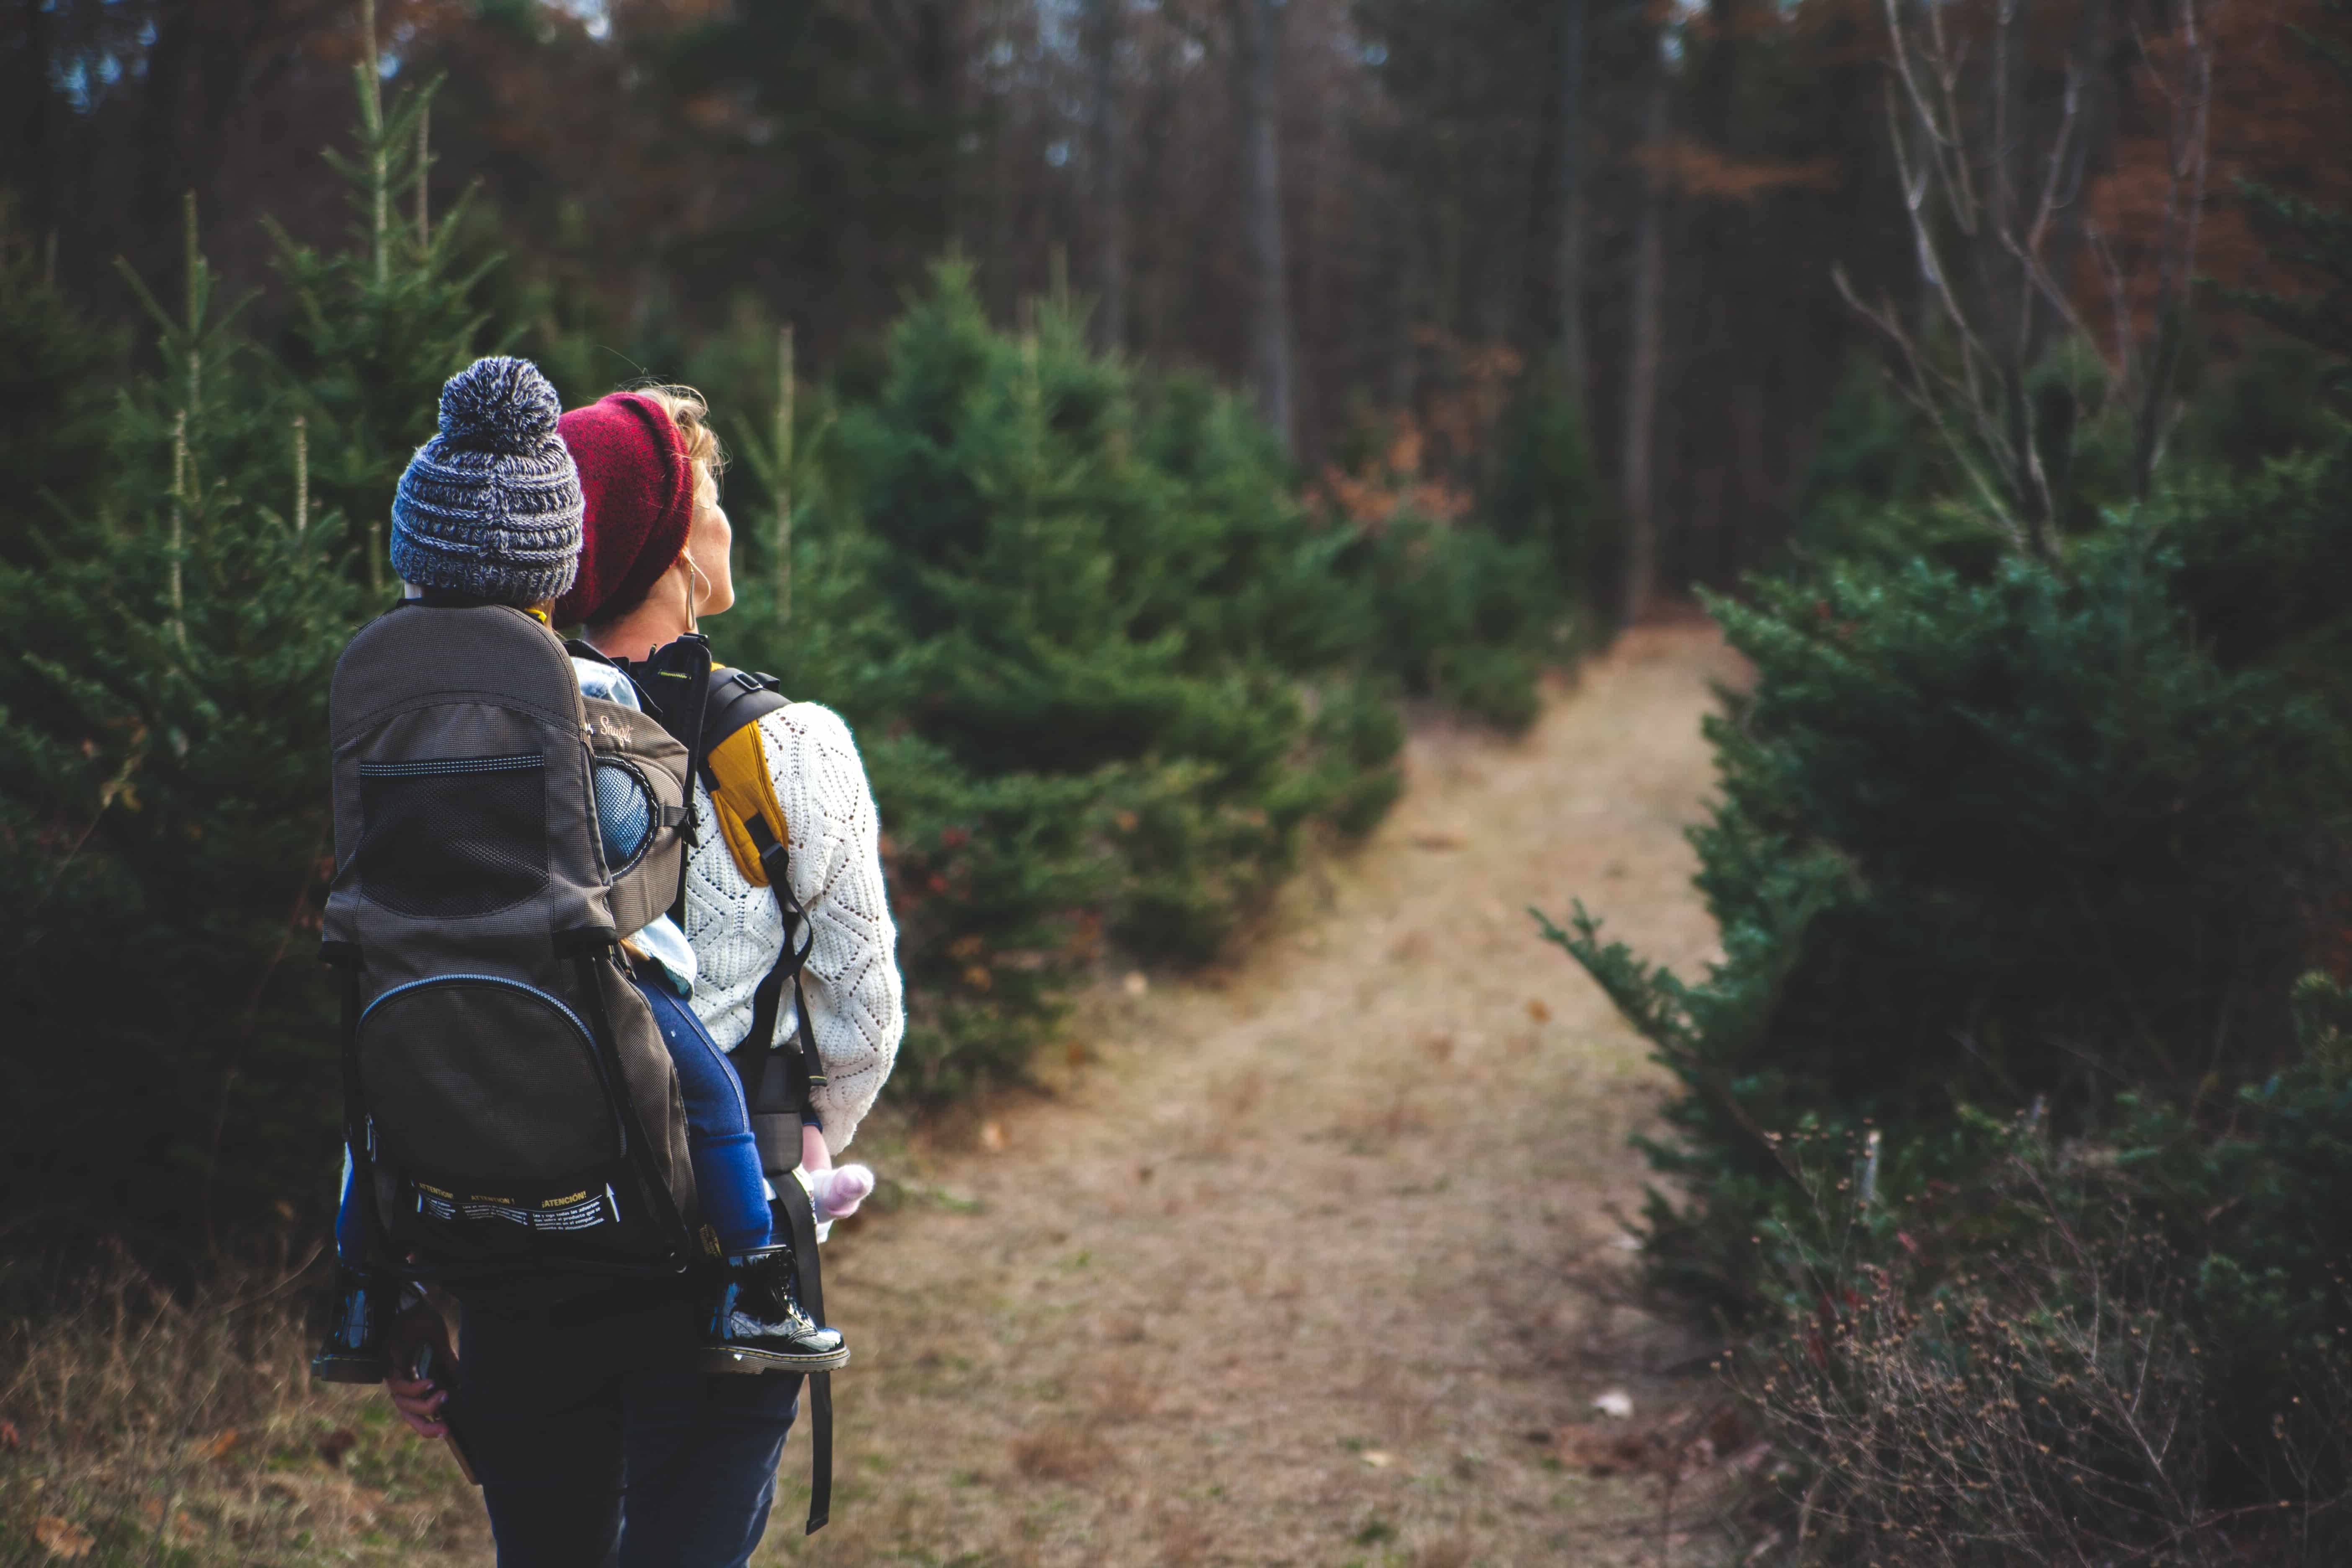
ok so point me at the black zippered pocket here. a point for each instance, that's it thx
(480, 1079)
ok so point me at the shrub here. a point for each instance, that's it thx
(1990, 841)
(2128, 1347)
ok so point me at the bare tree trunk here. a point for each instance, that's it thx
(1569, 263)
(1635, 481)
(1258, 30)
(1104, 19)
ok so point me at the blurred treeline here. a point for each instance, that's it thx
(2012, 1129)
(1369, 211)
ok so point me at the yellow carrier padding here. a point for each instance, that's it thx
(740, 765)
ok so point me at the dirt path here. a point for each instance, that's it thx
(1284, 1274)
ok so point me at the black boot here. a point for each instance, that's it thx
(358, 1336)
(759, 1325)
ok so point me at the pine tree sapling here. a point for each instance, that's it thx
(1103, 684)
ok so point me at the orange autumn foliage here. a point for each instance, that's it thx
(2277, 115)
(1428, 456)
(1370, 497)
(1700, 170)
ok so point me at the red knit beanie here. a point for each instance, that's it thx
(638, 483)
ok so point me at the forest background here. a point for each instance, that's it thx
(1139, 408)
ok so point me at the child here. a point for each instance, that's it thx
(491, 508)
(735, 1195)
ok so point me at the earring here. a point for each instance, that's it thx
(693, 600)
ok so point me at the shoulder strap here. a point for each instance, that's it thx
(734, 769)
(752, 819)
(738, 698)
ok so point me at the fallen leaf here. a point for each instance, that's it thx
(1671, 1443)
(151, 1511)
(336, 1444)
(1135, 985)
(1606, 1450)
(10, 1438)
(1538, 1011)
(1378, 1459)
(216, 1446)
(992, 1137)
(60, 1537)
(1441, 838)
(1614, 1402)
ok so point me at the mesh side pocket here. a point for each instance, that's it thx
(625, 813)
(455, 837)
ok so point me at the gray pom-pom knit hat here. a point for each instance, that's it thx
(490, 507)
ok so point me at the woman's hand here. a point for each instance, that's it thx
(419, 1404)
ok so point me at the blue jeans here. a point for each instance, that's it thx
(599, 1446)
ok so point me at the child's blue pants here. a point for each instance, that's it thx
(718, 1136)
(717, 1125)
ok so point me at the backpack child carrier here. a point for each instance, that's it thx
(508, 1102)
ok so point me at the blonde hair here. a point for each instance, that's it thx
(688, 411)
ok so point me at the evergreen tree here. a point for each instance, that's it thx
(164, 751)
(1991, 843)
(388, 317)
(1080, 625)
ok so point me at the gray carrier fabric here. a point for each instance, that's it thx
(511, 1099)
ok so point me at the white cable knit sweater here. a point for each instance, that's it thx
(738, 931)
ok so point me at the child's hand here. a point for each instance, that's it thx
(838, 1192)
(419, 1404)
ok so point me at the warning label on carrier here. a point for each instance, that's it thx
(573, 1211)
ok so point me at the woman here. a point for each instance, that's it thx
(596, 1436)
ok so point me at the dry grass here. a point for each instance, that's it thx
(1062, 1451)
(153, 1427)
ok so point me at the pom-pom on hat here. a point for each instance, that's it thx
(639, 482)
(490, 506)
